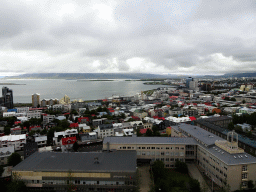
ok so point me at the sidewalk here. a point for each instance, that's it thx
(195, 174)
(144, 178)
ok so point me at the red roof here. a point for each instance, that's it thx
(73, 125)
(192, 118)
(66, 113)
(111, 111)
(80, 119)
(143, 131)
(110, 108)
(136, 118)
(68, 140)
(17, 122)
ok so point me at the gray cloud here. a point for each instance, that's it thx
(174, 36)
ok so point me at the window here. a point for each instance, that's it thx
(167, 159)
(158, 148)
(167, 153)
(143, 147)
(143, 153)
(162, 148)
(128, 147)
(177, 148)
(162, 159)
(171, 159)
(167, 165)
(182, 148)
(152, 147)
(148, 147)
(153, 153)
(244, 176)
(138, 153)
(167, 147)
(244, 184)
(162, 153)
(124, 147)
(244, 168)
(138, 147)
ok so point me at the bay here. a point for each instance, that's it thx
(85, 90)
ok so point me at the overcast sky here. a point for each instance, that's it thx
(150, 36)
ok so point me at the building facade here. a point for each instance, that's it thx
(35, 100)
(105, 171)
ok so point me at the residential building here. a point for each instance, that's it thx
(41, 141)
(105, 130)
(67, 143)
(34, 114)
(17, 141)
(88, 136)
(59, 135)
(35, 100)
(98, 171)
(5, 152)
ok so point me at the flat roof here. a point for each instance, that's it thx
(150, 140)
(230, 159)
(199, 133)
(118, 161)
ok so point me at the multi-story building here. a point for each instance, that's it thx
(59, 135)
(7, 97)
(5, 152)
(34, 114)
(35, 100)
(98, 171)
(221, 160)
(105, 130)
(22, 109)
(17, 141)
(48, 118)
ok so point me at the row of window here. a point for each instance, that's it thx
(216, 168)
(160, 153)
(78, 182)
(166, 148)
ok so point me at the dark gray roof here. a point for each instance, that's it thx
(150, 140)
(118, 161)
(106, 126)
(199, 133)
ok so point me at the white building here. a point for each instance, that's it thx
(17, 141)
(9, 114)
(22, 109)
(5, 152)
(41, 141)
(34, 114)
(59, 135)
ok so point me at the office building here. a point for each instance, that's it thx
(7, 98)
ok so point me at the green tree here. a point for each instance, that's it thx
(14, 159)
(75, 146)
(158, 169)
(250, 184)
(181, 167)
(1, 170)
(149, 133)
(194, 185)
(231, 126)
(7, 130)
(17, 185)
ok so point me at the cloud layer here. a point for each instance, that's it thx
(151, 36)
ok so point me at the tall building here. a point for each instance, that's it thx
(188, 81)
(35, 100)
(7, 98)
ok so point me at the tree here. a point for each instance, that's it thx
(14, 159)
(149, 133)
(1, 170)
(17, 185)
(231, 126)
(181, 167)
(158, 169)
(250, 184)
(75, 146)
(194, 185)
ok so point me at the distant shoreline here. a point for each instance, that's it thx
(11, 84)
